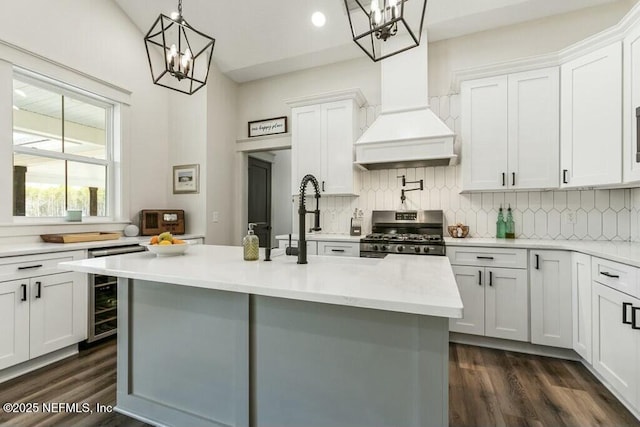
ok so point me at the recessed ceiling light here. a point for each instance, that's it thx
(318, 19)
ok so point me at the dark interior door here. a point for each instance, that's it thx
(260, 197)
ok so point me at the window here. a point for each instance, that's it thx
(62, 150)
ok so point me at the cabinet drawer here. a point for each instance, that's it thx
(18, 267)
(621, 277)
(339, 249)
(489, 257)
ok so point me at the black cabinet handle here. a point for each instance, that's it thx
(564, 176)
(606, 273)
(634, 318)
(484, 257)
(490, 278)
(513, 178)
(337, 250)
(323, 186)
(624, 312)
(504, 177)
(480, 277)
(24, 292)
(537, 262)
(39, 291)
(28, 267)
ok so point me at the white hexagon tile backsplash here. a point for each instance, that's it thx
(573, 215)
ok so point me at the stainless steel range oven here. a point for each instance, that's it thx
(103, 296)
(404, 232)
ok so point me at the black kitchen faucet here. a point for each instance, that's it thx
(302, 211)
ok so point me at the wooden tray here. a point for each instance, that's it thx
(79, 237)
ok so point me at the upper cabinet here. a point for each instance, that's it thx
(510, 131)
(323, 133)
(591, 125)
(631, 109)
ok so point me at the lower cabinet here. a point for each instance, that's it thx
(40, 315)
(550, 294)
(616, 340)
(339, 249)
(495, 302)
(581, 304)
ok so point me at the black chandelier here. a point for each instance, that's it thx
(184, 53)
(386, 27)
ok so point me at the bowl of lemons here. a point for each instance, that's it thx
(164, 244)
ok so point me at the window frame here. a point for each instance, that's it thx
(113, 143)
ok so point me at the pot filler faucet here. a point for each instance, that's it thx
(302, 210)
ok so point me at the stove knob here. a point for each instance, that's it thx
(417, 248)
(383, 248)
(375, 247)
(400, 248)
(426, 249)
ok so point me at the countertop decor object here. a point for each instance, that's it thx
(73, 215)
(184, 53)
(458, 231)
(383, 28)
(79, 237)
(166, 250)
(131, 230)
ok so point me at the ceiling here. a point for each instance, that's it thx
(258, 38)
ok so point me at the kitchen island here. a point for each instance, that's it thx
(207, 339)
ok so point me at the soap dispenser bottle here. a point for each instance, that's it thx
(511, 227)
(251, 245)
(500, 225)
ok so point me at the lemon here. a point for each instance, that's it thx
(164, 243)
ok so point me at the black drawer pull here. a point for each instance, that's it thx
(537, 262)
(606, 273)
(24, 292)
(39, 291)
(490, 278)
(624, 312)
(28, 267)
(480, 277)
(634, 324)
(485, 257)
(337, 250)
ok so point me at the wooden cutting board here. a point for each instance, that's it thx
(79, 237)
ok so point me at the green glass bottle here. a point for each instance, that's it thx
(500, 225)
(251, 245)
(511, 227)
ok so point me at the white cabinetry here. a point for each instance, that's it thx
(510, 131)
(41, 308)
(351, 249)
(631, 110)
(581, 302)
(324, 129)
(550, 287)
(591, 119)
(495, 298)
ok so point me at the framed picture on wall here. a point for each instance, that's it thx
(267, 127)
(186, 179)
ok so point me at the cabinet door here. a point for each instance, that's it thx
(305, 144)
(338, 134)
(484, 134)
(506, 304)
(591, 119)
(58, 312)
(550, 287)
(471, 287)
(615, 344)
(631, 167)
(581, 302)
(14, 318)
(534, 129)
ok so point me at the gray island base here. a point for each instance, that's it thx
(199, 356)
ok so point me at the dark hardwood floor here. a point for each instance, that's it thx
(487, 388)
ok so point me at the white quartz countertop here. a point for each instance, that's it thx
(16, 249)
(623, 252)
(324, 237)
(411, 284)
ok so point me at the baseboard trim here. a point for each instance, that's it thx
(37, 363)
(517, 346)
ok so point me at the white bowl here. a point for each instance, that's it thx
(167, 250)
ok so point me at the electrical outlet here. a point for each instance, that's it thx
(570, 217)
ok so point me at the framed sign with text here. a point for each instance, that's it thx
(268, 127)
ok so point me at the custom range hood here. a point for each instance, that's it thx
(406, 133)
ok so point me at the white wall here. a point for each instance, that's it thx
(517, 41)
(97, 39)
